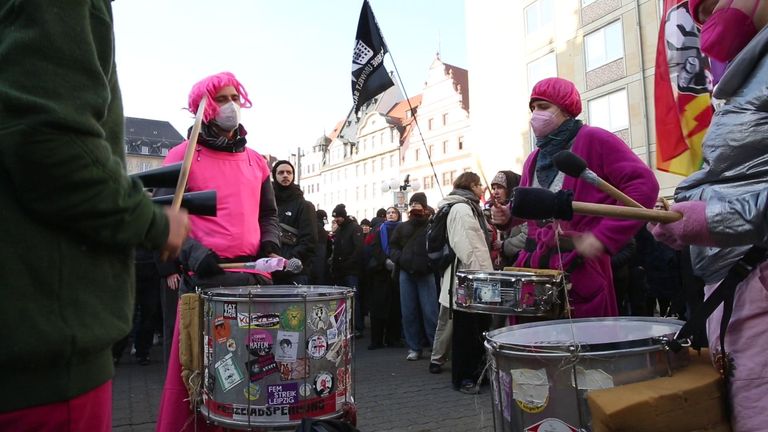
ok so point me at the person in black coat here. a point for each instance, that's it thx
(298, 227)
(319, 271)
(418, 293)
(346, 258)
(384, 295)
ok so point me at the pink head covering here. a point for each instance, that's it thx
(560, 92)
(211, 85)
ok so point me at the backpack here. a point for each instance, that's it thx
(440, 255)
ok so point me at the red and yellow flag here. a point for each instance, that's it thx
(683, 89)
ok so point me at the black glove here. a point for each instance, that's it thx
(209, 265)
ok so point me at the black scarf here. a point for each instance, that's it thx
(552, 144)
(211, 139)
(286, 193)
(474, 202)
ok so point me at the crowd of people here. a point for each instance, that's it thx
(72, 208)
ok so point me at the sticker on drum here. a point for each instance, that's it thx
(338, 320)
(305, 390)
(591, 379)
(506, 402)
(318, 317)
(229, 374)
(221, 329)
(292, 318)
(259, 342)
(230, 311)
(530, 389)
(258, 320)
(231, 345)
(288, 346)
(298, 369)
(283, 394)
(487, 292)
(551, 425)
(252, 391)
(261, 367)
(317, 346)
(324, 383)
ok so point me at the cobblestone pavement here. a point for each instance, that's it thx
(391, 394)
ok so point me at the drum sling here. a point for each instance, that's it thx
(191, 345)
(724, 293)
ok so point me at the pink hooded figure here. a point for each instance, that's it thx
(586, 242)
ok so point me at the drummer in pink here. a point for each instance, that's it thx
(244, 229)
(586, 242)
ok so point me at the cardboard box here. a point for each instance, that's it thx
(690, 400)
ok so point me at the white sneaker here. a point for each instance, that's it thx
(413, 355)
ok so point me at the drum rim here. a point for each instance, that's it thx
(276, 292)
(646, 344)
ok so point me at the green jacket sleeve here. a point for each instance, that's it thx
(61, 124)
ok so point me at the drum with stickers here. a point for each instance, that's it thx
(514, 291)
(274, 355)
(541, 372)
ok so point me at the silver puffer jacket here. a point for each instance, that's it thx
(734, 179)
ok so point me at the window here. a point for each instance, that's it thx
(604, 45)
(445, 119)
(610, 112)
(427, 182)
(429, 124)
(538, 16)
(357, 193)
(542, 67)
(461, 143)
(382, 164)
(447, 179)
(416, 154)
(431, 150)
(391, 161)
(373, 142)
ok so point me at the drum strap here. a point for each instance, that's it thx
(724, 293)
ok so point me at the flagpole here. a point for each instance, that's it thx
(410, 107)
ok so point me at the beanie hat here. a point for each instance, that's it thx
(277, 164)
(507, 179)
(382, 213)
(560, 92)
(418, 197)
(340, 211)
(321, 215)
(365, 222)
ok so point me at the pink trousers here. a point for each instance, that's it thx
(91, 411)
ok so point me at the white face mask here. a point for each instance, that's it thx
(228, 117)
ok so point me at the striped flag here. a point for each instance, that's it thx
(683, 88)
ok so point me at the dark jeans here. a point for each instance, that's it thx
(146, 308)
(468, 353)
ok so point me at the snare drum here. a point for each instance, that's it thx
(540, 377)
(274, 355)
(521, 291)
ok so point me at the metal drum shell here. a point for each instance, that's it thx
(567, 371)
(262, 311)
(521, 292)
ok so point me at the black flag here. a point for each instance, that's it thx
(369, 76)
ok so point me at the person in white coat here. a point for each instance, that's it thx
(469, 238)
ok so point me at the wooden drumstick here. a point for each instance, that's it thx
(621, 212)
(574, 166)
(178, 195)
(539, 204)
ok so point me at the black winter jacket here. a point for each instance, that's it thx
(298, 213)
(347, 250)
(408, 246)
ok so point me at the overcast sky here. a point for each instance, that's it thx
(293, 57)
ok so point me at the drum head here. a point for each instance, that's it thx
(276, 291)
(591, 334)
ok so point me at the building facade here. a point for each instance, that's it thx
(364, 161)
(606, 47)
(147, 143)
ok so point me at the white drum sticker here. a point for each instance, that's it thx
(530, 388)
(487, 292)
(229, 374)
(551, 425)
(317, 346)
(591, 379)
(288, 346)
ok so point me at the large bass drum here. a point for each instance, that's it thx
(274, 355)
(541, 372)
